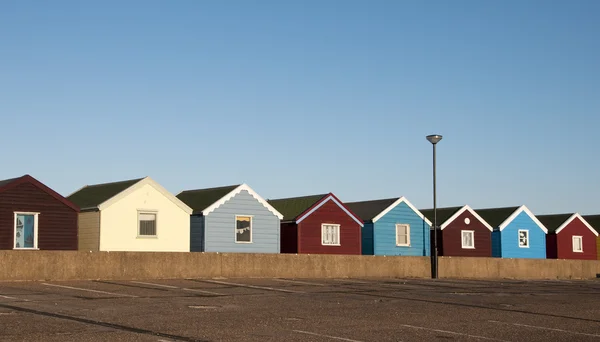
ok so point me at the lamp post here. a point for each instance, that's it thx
(434, 139)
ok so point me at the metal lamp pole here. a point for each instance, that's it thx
(434, 139)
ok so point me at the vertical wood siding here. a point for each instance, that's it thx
(57, 226)
(452, 237)
(496, 244)
(220, 227)
(367, 239)
(384, 233)
(564, 242)
(197, 233)
(598, 246)
(310, 231)
(89, 231)
(510, 239)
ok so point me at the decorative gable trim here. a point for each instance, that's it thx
(138, 185)
(573, 217)
(462, 210)
(236, 191)
(328, 198)
(516, 213)
(398, 201)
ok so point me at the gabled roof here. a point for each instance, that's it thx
(371, 211)
(448, 215)
(443, 214)
(291, 208)
(502, 217)
(101, 196)
(557, 222)
(201, 199)
(298, 208)
(91, 196)
(12, 182)
(204, 201)
(593, 221)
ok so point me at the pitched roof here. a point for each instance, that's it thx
(495, 216)
(8, 181)
(12, 182)
(293, 207)
(201, 199)
(368, 210)
(553, 222)
(594, 221)
(91, 196)
(443, 214)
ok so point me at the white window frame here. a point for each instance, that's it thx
(339, 235)
(35, 230)
(518, 238)
(251, 228)
(152, 212)
(407, 244)
(462, 240)
(580, 243)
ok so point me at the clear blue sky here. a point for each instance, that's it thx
(305, 97)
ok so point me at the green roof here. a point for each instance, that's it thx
(91, 196)
(594, 221)
(201, 199)
(552, 222)
(291, 208)
(368, 210)
(495, 216)
(443, 214)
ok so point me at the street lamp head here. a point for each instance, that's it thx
(434, 138)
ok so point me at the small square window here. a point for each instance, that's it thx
(578, 244)
(523, 238)
(147, 224)
(468, 239)
(243, 229)
(330, 234)
(402, 235)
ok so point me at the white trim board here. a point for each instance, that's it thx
(573, 217)
(516, 213)
(141, 183)
(398, 201)
(323, 201)
(236, 191)
(462, 210)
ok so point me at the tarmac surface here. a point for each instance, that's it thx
(354, 310)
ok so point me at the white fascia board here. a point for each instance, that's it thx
(398, 201)
(138, 185)
(462, 210)
(573, 217)
(516, 213)
(327, 199)
(236, 191)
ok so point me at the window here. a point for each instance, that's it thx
(147, 224)
(524, 238)
(243, 229)
(578, 244)
(468, 238)
(402, 235)
(330, 234)
(26, 230)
